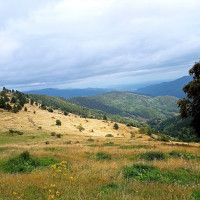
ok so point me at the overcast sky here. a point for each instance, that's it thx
(96, 43)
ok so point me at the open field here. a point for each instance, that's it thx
(95, 166)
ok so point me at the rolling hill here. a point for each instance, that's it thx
(135, 106)
(173, 88)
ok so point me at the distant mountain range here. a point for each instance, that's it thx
(68, 93)
(126, 104)
(173, 88)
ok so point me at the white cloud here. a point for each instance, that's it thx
(64, 41)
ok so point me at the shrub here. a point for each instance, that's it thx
(116, 127)
(109, 144)
(164, 138)
(53, 133)
(142, 172)
(105, 118)
(109, 135)
(132, 134)
(150, 156)
(18, 132)
(24, 163)
(58, 135)
(58, 122)
(25, 109)
(66, 113)
(50, 110)
(103, 156)
(80, 128)
(20, 164)
(90, 140)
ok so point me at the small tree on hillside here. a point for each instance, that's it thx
(58, 122)
(105, 118)
(116, 127)
(190, 106)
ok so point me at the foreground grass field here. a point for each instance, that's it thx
(87, 165)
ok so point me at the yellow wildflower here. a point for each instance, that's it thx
(53, 185)
(57, 193)
(53, 166)
(52, 196)
(59, 170)
(50, 190)
(14, 193)
(71, 178)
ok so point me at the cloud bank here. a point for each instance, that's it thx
(96, 43)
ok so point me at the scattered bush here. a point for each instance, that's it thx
(116, 127)
(25, 109)
(132, 134)
(103, 156)
(90, 140)
(109, 135)
(14, 131)
(66, 113)
(80, 128)
(109, 144)
(58, 122)
(47, 142)
(58, 135)
(105, 118)
(164, 138)
(53, 133)
(50, 110)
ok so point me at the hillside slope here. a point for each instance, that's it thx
(40, 121)
(173, 88)
(138, 107)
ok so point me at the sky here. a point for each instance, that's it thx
(96, 43)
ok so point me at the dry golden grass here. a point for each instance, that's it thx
(86, 176)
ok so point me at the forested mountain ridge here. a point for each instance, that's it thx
(68, 93)
(135, 106)
(172, 88)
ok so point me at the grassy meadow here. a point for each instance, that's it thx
(41, 160)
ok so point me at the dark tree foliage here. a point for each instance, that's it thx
(190, 106)
(116, 127)
(105, 117)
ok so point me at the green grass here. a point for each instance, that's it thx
(195, 195)
(154, 155)
(103, 156)
(54, 149)
(184, 155)
(24, 163)
(144, 172)
(110, 186)
(109, 144)
(7, 138)
(135, 147)
(2, 149)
